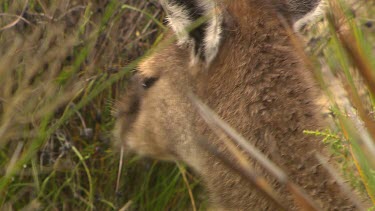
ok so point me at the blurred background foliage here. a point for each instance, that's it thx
(62, 66)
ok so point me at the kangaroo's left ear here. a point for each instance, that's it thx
(204, 39)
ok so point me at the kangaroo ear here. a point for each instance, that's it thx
(306, 11)
(204, 40)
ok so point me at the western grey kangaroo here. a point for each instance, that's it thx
(241, 62)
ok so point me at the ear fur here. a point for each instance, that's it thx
(204, 40)
(310, 11)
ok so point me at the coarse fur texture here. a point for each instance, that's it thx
(258, 84)
(204, 40)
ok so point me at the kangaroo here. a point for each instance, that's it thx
(241, 62)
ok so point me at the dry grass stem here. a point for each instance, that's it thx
(216, 123)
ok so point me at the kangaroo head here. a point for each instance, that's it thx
(241, 63)
(170, 69)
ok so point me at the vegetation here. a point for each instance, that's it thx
(64, 63)
(347, 75)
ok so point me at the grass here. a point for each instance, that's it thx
(63, 65)
(348, 54)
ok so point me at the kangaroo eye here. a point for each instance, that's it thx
(148, 82)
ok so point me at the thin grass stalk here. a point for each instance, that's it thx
(244, 165)
(245, 172)
(183, 173)
(215, 122)
(356, 54)
(345, 188)
(362, 141)
(362, 161)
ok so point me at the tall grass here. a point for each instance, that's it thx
(346, 55)
(62, 66)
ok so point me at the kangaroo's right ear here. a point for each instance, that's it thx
(203, 39)
(305, 11)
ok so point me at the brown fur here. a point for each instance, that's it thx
(258, 85)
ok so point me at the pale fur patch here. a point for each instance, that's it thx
(213, 31)
(311, 16)
(179, 20)
(146, 68)
(194, 57)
